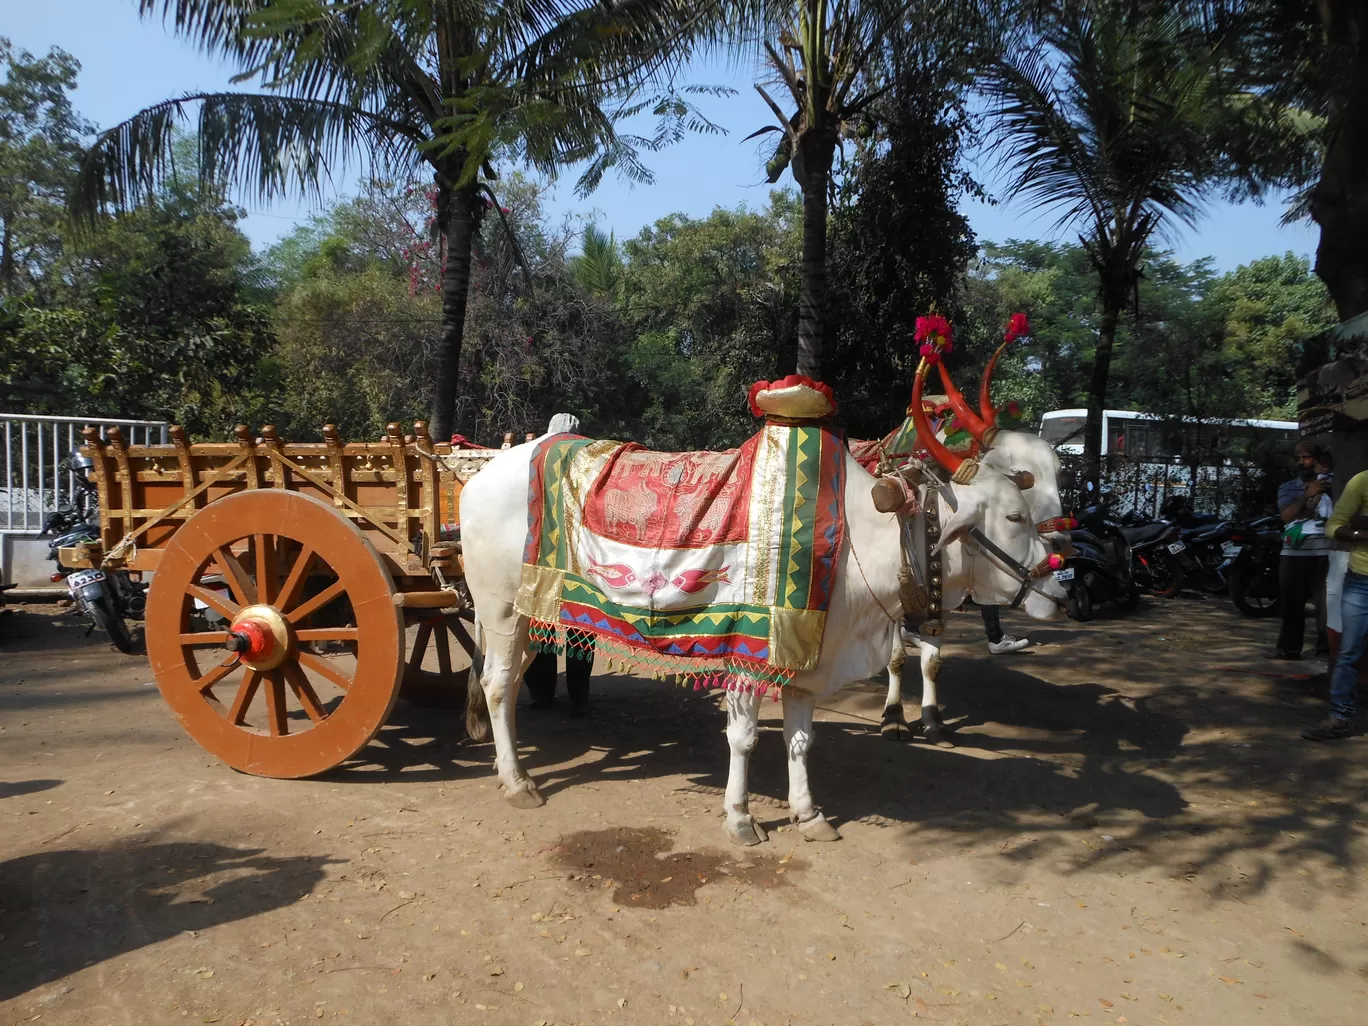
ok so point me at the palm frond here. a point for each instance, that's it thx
(270, 145)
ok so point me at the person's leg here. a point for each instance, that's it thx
(541, 680)
(579, 665)
(992, 623)
(1292, 592)
(1316, 579)
(1344, 684)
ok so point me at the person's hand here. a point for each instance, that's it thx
(1316, 488)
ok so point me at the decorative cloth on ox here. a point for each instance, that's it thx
(712, 567)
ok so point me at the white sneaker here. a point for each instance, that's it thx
(1008, 644)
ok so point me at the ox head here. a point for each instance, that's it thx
(993, 507)
(1028, 459)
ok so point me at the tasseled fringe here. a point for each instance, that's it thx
(736, 675)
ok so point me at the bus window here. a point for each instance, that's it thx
(1063, 430)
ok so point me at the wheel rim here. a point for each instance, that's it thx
(302, 573)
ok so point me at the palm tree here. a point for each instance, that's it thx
(1108, 115)
(451, 84)
(828, 57)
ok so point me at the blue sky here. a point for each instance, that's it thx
(128, 64)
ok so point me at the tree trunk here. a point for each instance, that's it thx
(1339, 202)
(1097, 396)
(6, 260)
(812, 170)
(456, 214)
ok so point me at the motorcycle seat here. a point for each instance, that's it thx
(1205, 533)
(1140, 535)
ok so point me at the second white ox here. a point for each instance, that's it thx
(862, 625)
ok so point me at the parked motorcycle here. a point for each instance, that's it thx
(1098, 569)
(105, 597)
(1154, 549)
(1204, 537)
(1251, 566)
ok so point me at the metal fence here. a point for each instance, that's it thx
(38, 475)
(1237, 490)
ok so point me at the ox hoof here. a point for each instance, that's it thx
(818, 829)
(938, 734)
(530, 798)
(746, 832)
(894, 726)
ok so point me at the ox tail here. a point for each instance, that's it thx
(477, 709)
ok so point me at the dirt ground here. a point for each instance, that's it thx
(1130, 831)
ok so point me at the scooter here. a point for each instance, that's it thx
(1098, 568)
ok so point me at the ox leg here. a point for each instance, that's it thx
(505, 657)
(798, 706)
(743, 725)
(932, 726)
(894, 726)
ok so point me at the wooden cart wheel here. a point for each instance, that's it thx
(294, 663)
(445, 687)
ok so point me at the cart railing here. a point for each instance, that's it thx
(37, 475)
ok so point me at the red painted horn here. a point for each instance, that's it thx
(933, 445)
(972, 422)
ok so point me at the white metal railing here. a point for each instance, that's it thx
(38, 475)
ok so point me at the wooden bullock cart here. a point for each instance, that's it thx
(285, 578)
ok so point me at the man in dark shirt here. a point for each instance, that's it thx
(1305, 553)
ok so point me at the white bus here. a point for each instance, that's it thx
(1147, 457)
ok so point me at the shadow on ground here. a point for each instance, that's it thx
(64, 910)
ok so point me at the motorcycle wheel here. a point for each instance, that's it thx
(1242, 588)
(1080, 603)
(112, 624)
(1162, 575)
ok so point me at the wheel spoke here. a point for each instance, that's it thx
(275, 705)
(462, 636)
(265, 567)
(420, 644)
(251, 680)
(238, 582)
(304, 691)
(215, 600)
(205, 638)
(443, 650)
(316, 603)
(324, 669)
(328, 634)
(289, 593)
(215, 675)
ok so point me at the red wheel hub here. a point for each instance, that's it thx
(253, 640)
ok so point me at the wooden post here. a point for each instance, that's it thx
(244, 437)
(335, 464)
(124, 474)
(280, 472)
(95, 450)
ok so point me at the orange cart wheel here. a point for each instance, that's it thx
(445, 687)
(273, 634)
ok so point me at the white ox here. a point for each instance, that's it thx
(862, 626)
(1014, 454)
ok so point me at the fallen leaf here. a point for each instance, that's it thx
(1294, 933)
(496, 970)
(581, 952)
(1263, 997)
(1229, 981)
(722, 996)
(518, 988)
(1000, 965)
(666, 879)
(922, 1009)
(1104, 1002)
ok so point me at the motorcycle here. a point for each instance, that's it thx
(1251, 567)
(1204, 537)
(1155, 548)
(1098, 568)
(105, 597)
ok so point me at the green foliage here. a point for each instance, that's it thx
(713, 305)
(598, 268)
(40, 147)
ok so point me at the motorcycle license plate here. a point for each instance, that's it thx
(83, 577)
(1231, 551)
(1064, 575)
(1176, 547)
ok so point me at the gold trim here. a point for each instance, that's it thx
(539, 592)
(796, 637)
(273, 619)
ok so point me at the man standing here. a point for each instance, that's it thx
(1305, 551)
(1349, 525)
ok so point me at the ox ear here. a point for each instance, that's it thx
(968, 515)
(1023, 479)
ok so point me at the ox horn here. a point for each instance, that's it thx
(977, 426)
(986, 408)
(938, 451)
